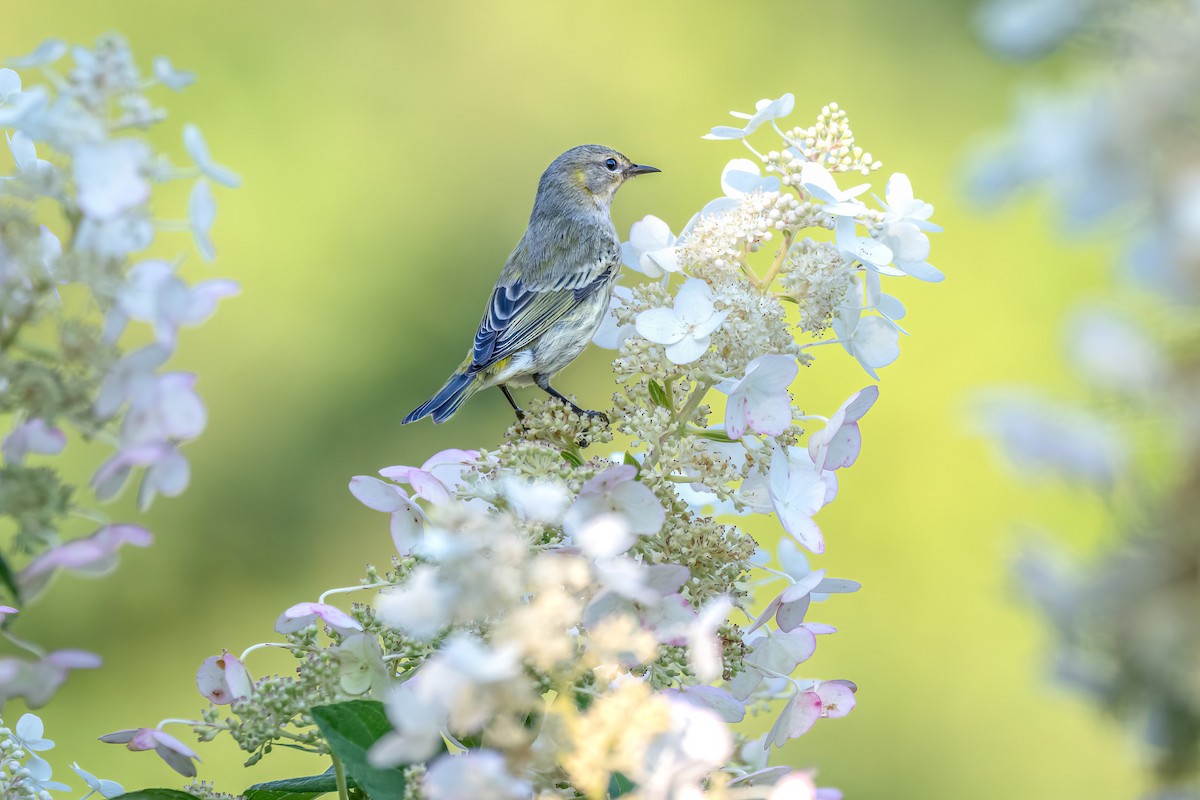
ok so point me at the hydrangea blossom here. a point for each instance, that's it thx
(574, 622)
(83, 163)
(687, 326)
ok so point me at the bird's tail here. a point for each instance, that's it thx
(442, 405)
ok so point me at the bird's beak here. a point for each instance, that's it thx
(639, 169)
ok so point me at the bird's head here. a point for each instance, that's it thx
(589, 174)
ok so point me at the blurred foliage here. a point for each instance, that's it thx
(390, 152)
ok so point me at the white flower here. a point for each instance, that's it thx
(871, 253)
(798, 490)
(760, 401)
(25, 154)
(166, 74)
(476, 775)
(819, 182)
(223, 679)
(742, 176)
(765, 111)
(904, 222)
(874, 341)
(686, 328)
(34, 436)
(197, 148)
(421, 607)
(838, 444)
(153, 293)
(615, 491)
(360, 664)
(651, 248)
(202, 213)
(610, 335)
(105, 788)
(110, 177)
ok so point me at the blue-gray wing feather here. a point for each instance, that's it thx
(525, 305)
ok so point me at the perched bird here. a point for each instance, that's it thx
(554, 291)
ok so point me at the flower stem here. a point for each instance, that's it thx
(339, 775)
(777, 264)
(685, 414)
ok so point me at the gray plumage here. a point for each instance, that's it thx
(554, 289)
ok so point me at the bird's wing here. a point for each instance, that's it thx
(523, 307)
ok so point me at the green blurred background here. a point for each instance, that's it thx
(390, 151)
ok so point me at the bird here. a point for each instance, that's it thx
(555, 288)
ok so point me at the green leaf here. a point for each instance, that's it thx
(572, 457)
(787, 298)
(620, 785)
(633, 462)
(714, 436)
(659, 395)
(9, 580)
(156, 794)
(350, 729)
(296, 788)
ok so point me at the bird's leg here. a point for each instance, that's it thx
(543, 383)
(508, 396)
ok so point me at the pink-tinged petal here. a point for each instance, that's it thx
(425, 485)
(772, 372)
(790, 616)
(178, 756)
(797, 786)
(609, 479)
(735, 416)
(766, 614)
(844, 447)
(376, 494)
(837, 699)
(183, 414)
(406, 526)
(782, 652)
(119, 737)
(398, 473)
(665, 579)
(223, 679)
(837, 586)
(805, 532)
(447, 457)
(819, 628)
(795, 600)
(796, 719)
(859, 403)
(302, 615)
(830, 480)
(94, 555)
(687, 349)
(639, 506)
(769, 415)
(660, 325)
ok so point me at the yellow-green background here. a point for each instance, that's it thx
(390, 151)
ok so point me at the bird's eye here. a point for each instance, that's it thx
(611, 164)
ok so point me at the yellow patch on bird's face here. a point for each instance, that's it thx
(581, 180)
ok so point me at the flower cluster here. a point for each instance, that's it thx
(25, 775)
(558, 623)
(75, 217)
(1117, 153)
